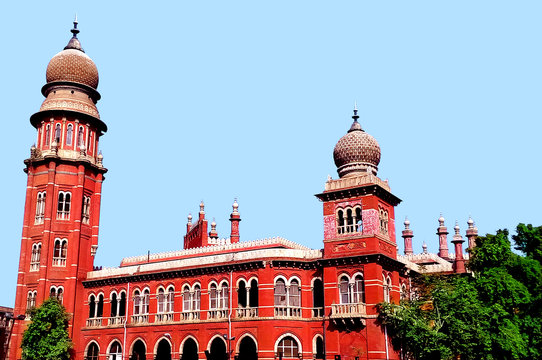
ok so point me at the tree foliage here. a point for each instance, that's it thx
(46, 337)
(493, 313)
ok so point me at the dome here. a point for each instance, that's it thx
(72, 64)
(356, 152)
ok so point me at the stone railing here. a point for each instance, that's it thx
(140, 319)
(164, 317)
(94, 322)
(348, 182)
(318, 312)
(116, 320)
(248, 312)
(287, 311)
(218, 314)
(348, 310)
(190, 315)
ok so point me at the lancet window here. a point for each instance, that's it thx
(383, 216)
(60, 252)
(287, 297)
(40, 208)
(35, 258)
(349, 220)
(64, 202)
(85, 216)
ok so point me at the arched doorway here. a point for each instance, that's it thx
(164, 350)
(189, 350)
(218, 350)
(247, 349)
(318, 298)
(319, 348)
(138, 351)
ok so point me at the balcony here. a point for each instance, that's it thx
(140, 319)
(94, 322)
(287, 311)
(164, 317)
(318, 312)
(348, 314)
(59, 261)
(190, 315)
(247, 313)
(218, 314)
(116, 320)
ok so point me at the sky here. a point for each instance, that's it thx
(216, 100)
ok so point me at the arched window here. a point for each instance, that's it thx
(359, 289)
(344, 289)
(196, 299)
(186, 298)
(359, 220)
(85, 215)
(115, 351)
(100, 307)
(404, 293)
(340, 222)
(288, 348)
(63, 209)
(383, 214)
(242, 294)
(47, 134)
(69, 135)
(213, 296)
(280, 293)
(161, 300)
(137, 302)
(36, 256)
(170, 300)
(114, 305)
(40, 208)
(91, 307)
(92, 352)
(146, 301)
(60, 294)
(349, 221)
(31, 300)
(224, 295)
(57, 133)
(387, 288)
(52, 292)
(318, 350)
(122, 304)
(253, 294)
(294, 298)
(60, 252)
(80, 137)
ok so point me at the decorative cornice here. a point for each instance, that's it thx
(372, 189)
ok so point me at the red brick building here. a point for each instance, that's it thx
(218, 298)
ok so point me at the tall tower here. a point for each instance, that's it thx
(65, 175)
(360, 250)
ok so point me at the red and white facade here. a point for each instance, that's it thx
(218, 298)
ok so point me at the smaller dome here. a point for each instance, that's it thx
(356, 152)
(72, 64)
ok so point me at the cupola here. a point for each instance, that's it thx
(356, 152)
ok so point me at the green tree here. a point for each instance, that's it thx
(493, 313)
(46, 337)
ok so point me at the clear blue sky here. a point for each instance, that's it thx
(216, 100)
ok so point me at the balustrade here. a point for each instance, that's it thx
(287, 311)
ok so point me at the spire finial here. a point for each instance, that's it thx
(75, 31)
(356, 116)
(74, 41)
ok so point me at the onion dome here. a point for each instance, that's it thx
(356, 152)
(72, 64)
(72, 82)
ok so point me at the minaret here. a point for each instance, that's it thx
(235, 218)
(459, 262)
(472, 233)
(64, 187)
(407, 236)
(442, 233)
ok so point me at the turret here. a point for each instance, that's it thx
(442, 233)
(472, 233)
(407, 236)
(459, 262)
(235, 219)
